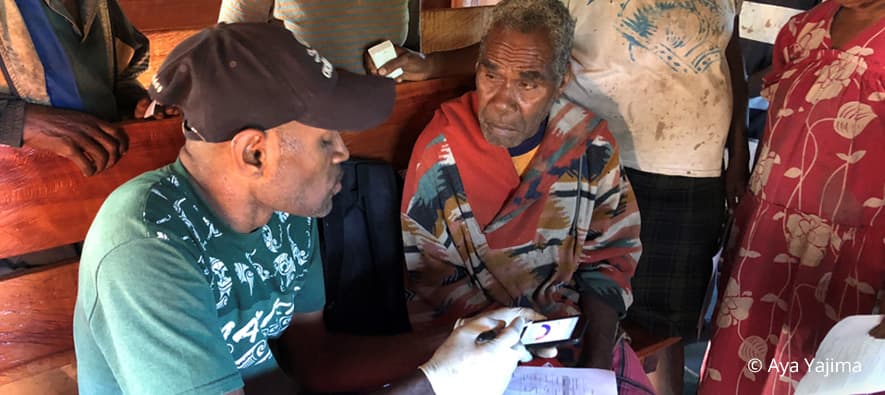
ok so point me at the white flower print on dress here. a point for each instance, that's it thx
(852, 118)
(833, 78)
(808, 236)
(735, 307)
(767, 160)
(811, 37)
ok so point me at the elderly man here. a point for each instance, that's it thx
(515, 196)
(69, 68)
(191, 272)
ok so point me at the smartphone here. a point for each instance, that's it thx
(566, 330)
(383, 53)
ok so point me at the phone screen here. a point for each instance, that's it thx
(549, 330)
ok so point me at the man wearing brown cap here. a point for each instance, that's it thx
(190, 272)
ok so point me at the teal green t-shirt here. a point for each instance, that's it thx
(171, 300)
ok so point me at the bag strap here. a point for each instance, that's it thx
(332, 235)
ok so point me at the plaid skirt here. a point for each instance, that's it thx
(682, 222)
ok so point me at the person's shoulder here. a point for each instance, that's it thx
(455, 113)
(818, 14)
(142, 208)
(598, 133)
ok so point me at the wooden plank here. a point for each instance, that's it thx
(644, 343)
(56, 374)
(445, 29)
(162, 42)
(38, 312)
(415, 104)
(46, 201)
(153, 15)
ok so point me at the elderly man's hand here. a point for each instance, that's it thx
(416, 66)
(462, 365)
(92, 144)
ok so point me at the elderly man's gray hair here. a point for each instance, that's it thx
(527, 16)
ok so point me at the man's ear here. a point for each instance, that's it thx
(249, 151)
(566, 78)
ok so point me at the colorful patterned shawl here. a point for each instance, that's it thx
(477, 236)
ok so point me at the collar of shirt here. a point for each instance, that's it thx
(531, 142)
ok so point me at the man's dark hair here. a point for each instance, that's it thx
(527, 16)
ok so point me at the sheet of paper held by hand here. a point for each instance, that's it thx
(848, 361)
(534, 380)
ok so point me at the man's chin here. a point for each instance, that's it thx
(498, 140)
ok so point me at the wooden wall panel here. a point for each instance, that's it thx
(162, 43)
(444, 29)
(415, 104)
(37, 311)
(46, 201)
(153, 15)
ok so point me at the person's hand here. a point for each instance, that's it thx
(510, 314)
(736, 176)
(416, 66)
(461, 365)
(159, 111)
(92, 144)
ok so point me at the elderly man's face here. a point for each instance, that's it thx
(515, 85)
(304, 168)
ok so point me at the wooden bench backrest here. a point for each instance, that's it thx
(46, 202)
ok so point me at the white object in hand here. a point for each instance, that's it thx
(462, 366)
(383, 53)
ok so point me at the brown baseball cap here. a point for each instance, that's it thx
(259, 75)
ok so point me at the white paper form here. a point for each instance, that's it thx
(534, 380)
(848, 361)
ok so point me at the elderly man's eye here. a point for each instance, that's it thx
(490, 76)
(528, 85)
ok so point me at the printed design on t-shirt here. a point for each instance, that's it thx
(682, 33)
(255, 332)
(246, 272)
(272, 244)
(221, 281)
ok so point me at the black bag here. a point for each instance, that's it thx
(362, 247)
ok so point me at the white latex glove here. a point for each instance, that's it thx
(462, 366)
(508, 315)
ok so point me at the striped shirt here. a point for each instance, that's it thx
(341, 30)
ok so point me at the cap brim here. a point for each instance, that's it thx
(358, 102)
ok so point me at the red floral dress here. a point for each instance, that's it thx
(809, 237)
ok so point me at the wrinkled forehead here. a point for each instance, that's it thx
(506, 47)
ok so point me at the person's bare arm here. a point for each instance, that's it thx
(737, 171)
(419, 67)
(599, 340)
(320, 360)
